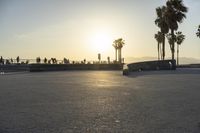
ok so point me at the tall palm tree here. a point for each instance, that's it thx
(115, 46)
(161, 23)
(179, 40)
(198, 32)
(159, 39)
(119, 43)
(175, 13)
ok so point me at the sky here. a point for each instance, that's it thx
(80, 29)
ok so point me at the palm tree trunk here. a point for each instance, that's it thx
(115, 54)
(173, 41)
(163, 48)
(177, 54)
(158, 51)
(119, 56)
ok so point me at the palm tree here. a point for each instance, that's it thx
(161, 23)
(179, 40)
(198, 32)
(115, 46)
(118, 44)
(175, 13)
(159, 39)
(170, 40)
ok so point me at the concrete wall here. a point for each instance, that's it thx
(14, 67)
(153, 65)
(61, 67)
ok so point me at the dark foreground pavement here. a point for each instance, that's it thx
(100, 101)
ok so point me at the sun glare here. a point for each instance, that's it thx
(101, 41)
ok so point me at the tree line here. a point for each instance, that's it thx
(117, 44)
(169, 17)
(11, 61)
(39, 60)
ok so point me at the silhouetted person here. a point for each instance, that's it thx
(1, 60)
(38, 60)
(198, 32)
(11, 60)
(99, 57)
(49, 61)
(108, 59)
(17, 59)
(7, 62)
(27, 61)
(45, 60)
(54, 61)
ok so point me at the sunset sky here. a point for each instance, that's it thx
(78, 29)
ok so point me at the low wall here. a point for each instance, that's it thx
(189, 66)
(14, 67)
(153, 65)
(62, 67)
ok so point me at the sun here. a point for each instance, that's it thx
(101, 41)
